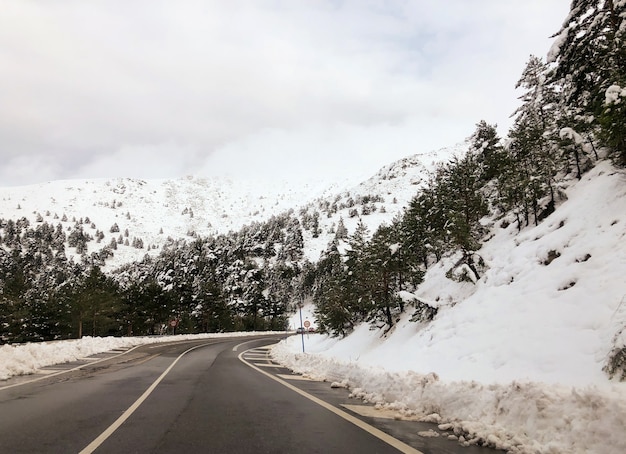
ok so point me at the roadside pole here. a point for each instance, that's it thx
(301, 325)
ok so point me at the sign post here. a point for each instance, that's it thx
(302, 333)
(174, 324)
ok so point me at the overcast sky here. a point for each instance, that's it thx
(268, 88)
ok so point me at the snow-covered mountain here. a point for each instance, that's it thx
(155, 210)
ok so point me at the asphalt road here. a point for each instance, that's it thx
(205, 396)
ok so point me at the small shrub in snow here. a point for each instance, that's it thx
(616, 365)
(423, 312)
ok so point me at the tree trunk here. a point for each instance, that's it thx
(577, 158)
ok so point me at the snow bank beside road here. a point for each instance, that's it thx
(25, 359)
(520, 417)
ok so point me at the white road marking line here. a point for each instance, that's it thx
(236, 347)
(268, 365)
(399, 445)
(374, 412)
(91, 447)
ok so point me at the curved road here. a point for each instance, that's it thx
(203, 396)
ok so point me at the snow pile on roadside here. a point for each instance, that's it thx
(25, 359)
(516, 359)
(520, 417)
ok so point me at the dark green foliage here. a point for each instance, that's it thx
(486, 148)
(214, 284)
(78, 239)
(612, 121)
(93, 302)
(384, 274)
(332, 288)
(446, 214)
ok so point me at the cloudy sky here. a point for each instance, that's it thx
(269, 88)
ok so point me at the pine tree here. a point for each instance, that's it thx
(485, 145)
(613, 121)
(331, 285)
(464, 205)
(530, 167)
(293, 247)
(78, 238)
(342, 231)
(590, 56)
(383, 265)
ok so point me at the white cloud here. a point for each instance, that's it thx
(88, 80)
(140, 161)
(341, 152)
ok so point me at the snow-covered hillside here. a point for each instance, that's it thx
(516, 360)
(153, 210)
(389, 192)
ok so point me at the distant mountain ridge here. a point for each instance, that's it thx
(155, 210)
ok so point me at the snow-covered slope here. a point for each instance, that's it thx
(153, 210)
(390, 191)
(515, 360)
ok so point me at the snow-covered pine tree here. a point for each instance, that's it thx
(342, 231)
(485, 145)
(589, 56)
(531, 164)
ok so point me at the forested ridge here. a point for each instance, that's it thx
(572, 114)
